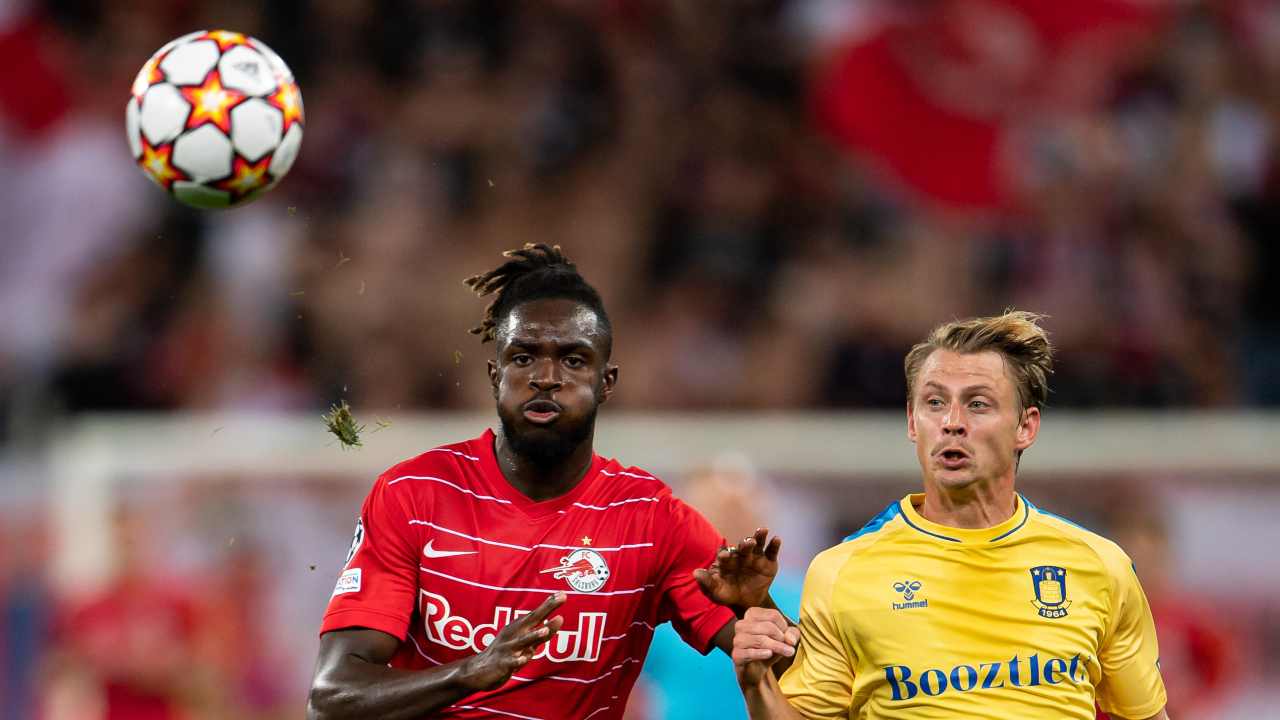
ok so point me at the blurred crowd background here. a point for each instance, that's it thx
(775, 197)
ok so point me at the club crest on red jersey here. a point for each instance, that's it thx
(585, 570)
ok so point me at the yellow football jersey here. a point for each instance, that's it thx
(1034, 618)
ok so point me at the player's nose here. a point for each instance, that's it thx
(546, 376)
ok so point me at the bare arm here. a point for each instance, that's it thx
(352, 679)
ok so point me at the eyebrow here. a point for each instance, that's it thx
(529, 342)
(968, 390)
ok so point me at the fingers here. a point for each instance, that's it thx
(763, 646)
(748, 646)
(758, 544)
(554, 624)
(771, 551)
(527, 642)
(541, 612)
(703, 576)
(769, 615)
(763, 634)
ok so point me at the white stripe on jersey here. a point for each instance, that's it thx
(472, 583)
(495, 712)
(614, 504)
(472, 458)
(524, 548)
(593, 712)
(584, 681)
(418, 647)
(446, 482)
(628, 632)
(628, 474)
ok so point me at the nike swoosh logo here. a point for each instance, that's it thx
(434, 553)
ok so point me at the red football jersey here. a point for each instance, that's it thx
(447, 553)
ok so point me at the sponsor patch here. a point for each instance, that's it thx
(348, 581)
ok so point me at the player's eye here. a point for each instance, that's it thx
(979, 405)
(933, 402)
(522, 360)
(575, 362)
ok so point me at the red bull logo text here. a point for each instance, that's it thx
(458, 633)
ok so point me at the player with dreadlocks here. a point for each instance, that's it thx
(519, 574)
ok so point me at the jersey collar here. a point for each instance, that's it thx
(498, 485)
(964, 536)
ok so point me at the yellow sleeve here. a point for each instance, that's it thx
(819, 684)
(1131, 685)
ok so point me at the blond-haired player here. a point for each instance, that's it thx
(966, 600)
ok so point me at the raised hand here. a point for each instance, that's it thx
(740, 576)
(513, 646)
(760, 639)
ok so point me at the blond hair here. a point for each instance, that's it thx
(1016, 335)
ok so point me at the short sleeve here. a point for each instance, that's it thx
(1131, 686)
(819, 683)
(379, 583)
(693, 543)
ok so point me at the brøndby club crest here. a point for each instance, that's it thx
(1050, 585)
(585, 570)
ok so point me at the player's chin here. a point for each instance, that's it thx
(955, 479)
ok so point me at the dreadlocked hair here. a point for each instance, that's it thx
(535, 272)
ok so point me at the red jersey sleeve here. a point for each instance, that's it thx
(379, 584)
(692, 543)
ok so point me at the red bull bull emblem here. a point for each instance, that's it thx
(585, 570)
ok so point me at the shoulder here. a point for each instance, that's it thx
(629, 484)
(883, 525)
(443, 462)
(422, 480)
(829, 563)
(1109, 554)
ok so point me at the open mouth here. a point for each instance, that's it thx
(953, 458)
(541, 412)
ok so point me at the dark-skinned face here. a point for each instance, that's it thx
(550, 376)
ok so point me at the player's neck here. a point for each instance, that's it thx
(539, 480)
(977, 506)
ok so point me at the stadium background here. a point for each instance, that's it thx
(774, 197)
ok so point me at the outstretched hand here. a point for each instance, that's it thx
(740, 576)
(514, 646)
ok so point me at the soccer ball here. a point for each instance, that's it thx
(215, 118)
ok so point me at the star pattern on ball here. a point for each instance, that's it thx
(148, 76)
(245, 177)
(157, 163)
(289, 102)
(225, 38)
(211, 103)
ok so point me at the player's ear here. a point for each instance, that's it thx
(608, 382)
(493, 377)
(1028, 428)
(911, 423)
